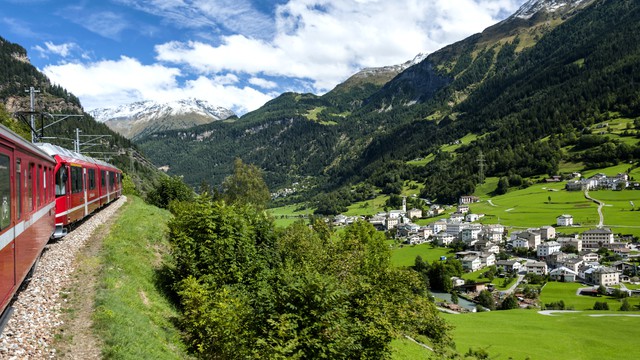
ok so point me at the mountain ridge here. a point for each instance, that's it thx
(142, 118)
(498, 87)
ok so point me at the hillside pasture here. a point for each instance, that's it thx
(524, 208)
(406, 254)
(521, 334)
(556, 291)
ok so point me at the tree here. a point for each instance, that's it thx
(625, 305)
(602, 290)
(245, 186)
(454, 297)
(250, 291)
(503, 186)
(485, 298)
(601, 305)
(509, 303)
(169, 189)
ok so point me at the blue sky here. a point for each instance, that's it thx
(233, 53)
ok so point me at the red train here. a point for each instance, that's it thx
(43, 189)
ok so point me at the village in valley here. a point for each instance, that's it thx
(597, 258)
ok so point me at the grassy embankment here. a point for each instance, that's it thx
(133, 317)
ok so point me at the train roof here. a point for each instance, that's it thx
(66, 154)
(21, 142)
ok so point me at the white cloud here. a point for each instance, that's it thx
(63, 50)
(236, 16)
(263, 83)
(111, 83)
(312, 44)
(327, 41)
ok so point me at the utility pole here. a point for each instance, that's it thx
(31, 122)
(481, 163)
(32, 103)
(89, 143)
(77, 142)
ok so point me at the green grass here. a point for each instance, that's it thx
(556, 291)
(448, 148)
(405, 349)
(406, 255)
(132, 316)
(521, 334)
(530, 207)
(286, 215)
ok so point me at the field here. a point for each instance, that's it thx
(540, 204)
(556, 291)
(406, 255)
(521, 334)
(287, 215)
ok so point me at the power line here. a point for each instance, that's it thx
(481, 163)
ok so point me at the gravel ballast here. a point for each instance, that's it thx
(29, 333)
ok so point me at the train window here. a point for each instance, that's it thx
(61, 181)
(5, 191)
(112, 180)
(92, 179)
(103, 178)
(18, 190)
(76, 179)
(29, 179)
(45, 194)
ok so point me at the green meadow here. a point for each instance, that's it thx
(556, 291)
(527, 334)
(406, 255)
(541, 203)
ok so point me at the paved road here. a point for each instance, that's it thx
(600, 205)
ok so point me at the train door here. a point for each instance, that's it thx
(7, 231)
(108, 187)
(85, 187)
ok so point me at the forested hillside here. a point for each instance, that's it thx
(528, 92)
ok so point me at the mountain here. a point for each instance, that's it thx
(146, 117)
(525, 93)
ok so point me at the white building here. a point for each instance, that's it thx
(577, 243)
(455, 227)
(438, 227)
(471, 263)
(520, 243)
(537, 267)
(414, 213)
(602, 276)
(564, 220)
(444, 239)
(547, 233)
(596, 238)
(472, 217)
(548, 248)
(469, 234)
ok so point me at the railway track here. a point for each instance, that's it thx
(29, 334)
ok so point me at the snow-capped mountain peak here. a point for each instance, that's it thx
(150, 110)
(532, 7)
(392, 68)
(145, 117)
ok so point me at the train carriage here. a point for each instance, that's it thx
(27, 211)
(82, 184)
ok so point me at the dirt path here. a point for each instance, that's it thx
(77, 339)
(600, 205)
